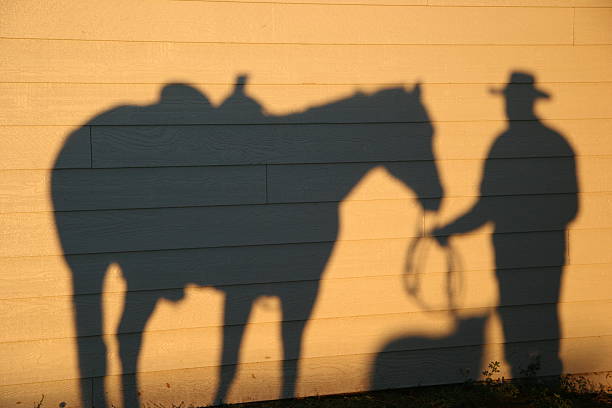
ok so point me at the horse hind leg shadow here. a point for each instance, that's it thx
(137, 311)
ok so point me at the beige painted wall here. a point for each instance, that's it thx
(64, 62)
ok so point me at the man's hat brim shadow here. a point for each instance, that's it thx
(522, 85)
(520, 90)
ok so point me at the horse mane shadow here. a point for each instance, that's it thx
(162, 213)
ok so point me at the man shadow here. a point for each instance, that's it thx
(148, 243)
(528, 184)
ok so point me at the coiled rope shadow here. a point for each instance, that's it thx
(416, 258)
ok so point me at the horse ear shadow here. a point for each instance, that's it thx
(416, 89)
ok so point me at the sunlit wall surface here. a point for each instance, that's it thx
(227, 201)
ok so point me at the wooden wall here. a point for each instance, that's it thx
(63, 63)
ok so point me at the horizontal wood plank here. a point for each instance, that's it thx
(506, 3)
(473, 140)
(135, 146)
(36, 147)
(54, 393)
(590, 246)
(91, 189)
(64, 190)
(289, 23)
(28, 234)
(138, 146)
(368, 334)
(592, 26)
(42, 60)
(510, 213)
(577, 356)
(554, 212)
(76, 104)
(354, 373)
(521, 3)
(263, 381)
(34, 234)
(52, 317)
(38, 276)
(330, 182)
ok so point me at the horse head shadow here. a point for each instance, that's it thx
(243, 251)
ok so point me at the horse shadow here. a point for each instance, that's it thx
(169, 247)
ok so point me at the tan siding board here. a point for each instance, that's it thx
(29, 234)
(504, 3)
(29, 190)
(594, 26)
(53, 394)
(542, 216)
(341, 2)
(345, 2)
(263, 381)
(592, 173)
(50, 276)
(568, 101)
(352, 373)
(35, 147)
(593, 210)
(31, 277)
(197, 347)
(590, 246)
(289, 23)
(32, 234)
(511, 177)
(522, 3)
(472, 140)
(117, 62)
(593, 3)
(91, 189)
(52, 317)
(134, 146)
(578, 355)
(74, 104)
(456, 3)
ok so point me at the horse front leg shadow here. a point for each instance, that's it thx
(296, 314)
(236, 315)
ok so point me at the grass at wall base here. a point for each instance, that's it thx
(530, 391)
(494, 392)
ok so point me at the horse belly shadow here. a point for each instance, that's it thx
(296, 300)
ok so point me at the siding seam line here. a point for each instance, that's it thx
(574, 27)
(91, 163)
(91, 397)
